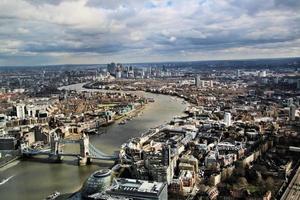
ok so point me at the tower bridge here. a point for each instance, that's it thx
(88, 152)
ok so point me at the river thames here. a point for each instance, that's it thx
(36, 178)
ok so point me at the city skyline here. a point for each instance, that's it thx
(88, 31)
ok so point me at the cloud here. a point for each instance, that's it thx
(137, 30)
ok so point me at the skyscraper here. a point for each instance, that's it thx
(197, 81)
(20, 111)
(227, 118)
(111, 68)
(292, 112)
(211, 83)
(238, 73)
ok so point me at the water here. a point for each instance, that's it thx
(37, 178)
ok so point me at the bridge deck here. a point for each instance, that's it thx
(90, 150)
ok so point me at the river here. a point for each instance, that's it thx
(34, 179)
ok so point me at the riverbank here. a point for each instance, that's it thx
(10, 163)
(131, 114)
(89, 86)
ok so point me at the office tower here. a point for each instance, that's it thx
(111, 68)
(227, 118)
(20, 110)
(292, 112)
(197, 81)
(262, 74)
(290, 101)
(31, 111)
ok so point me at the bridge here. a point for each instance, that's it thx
(88, 152)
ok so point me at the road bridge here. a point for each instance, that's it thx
(87, 153)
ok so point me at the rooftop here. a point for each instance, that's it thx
(123, 185)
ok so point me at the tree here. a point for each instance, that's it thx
(242, 182)
(240, 171)
(254, 176)
(269, 183)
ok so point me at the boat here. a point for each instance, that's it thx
(100, 132)
(151, 100)
(122, 123)
(3, 181)
(52, 196)
(91, 132)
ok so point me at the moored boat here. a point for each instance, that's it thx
(52, 196)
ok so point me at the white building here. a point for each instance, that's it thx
(20, 110)
(227, 118)
(138, 189)
(3, 119)
(198, 81)
(238, 73)
(31, 111)
(290, 101)
(262, 73)
(118, 74)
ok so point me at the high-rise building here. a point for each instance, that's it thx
(119, 71)
(227, 118)
(31, 111)
(119, 74)
(131, 72)
(276, 80)
(3, 119)
(20, 111)
(290, 101)
(198, 81)
(111, 68)
(292, 112)
(262, 73)
(238, 73)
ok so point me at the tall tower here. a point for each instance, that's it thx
(197, 81)
(290, 101)
(211, 83)
(20, 110)
(227, 118)
(292, 112)
(111, 68)
(84, 151)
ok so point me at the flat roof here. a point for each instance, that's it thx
(122, 184)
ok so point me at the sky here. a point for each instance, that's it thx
(40, 32)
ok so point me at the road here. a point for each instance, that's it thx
(293, 190)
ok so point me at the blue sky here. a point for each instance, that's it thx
(38, 32)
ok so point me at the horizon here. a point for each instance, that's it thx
(162, 62)
(62, 32)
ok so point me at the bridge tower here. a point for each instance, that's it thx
(108, 117)
(84, 157)
(24, 148)
(56, 148)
